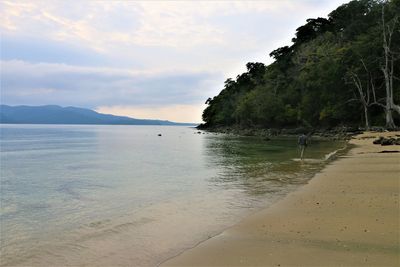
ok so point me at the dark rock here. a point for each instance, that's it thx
(377, 129)
(387, 142)
(159, 135)
(378, 141)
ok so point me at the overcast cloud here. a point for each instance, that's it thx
(142, 59)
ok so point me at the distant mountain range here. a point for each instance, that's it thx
(52, 114)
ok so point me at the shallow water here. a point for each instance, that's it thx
(122, 195)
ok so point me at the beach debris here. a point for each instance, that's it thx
(159, 134)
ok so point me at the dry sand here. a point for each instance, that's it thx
(348, 215)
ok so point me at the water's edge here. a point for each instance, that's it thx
(330, 158)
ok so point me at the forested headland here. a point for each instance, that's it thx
(342, 70)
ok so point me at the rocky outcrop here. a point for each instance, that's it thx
(386, 141)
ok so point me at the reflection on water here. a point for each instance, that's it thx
(122, 195)
(260, 167)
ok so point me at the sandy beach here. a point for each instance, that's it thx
(348, 215)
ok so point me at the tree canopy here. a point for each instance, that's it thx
(333, 74)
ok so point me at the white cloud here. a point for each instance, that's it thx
(32, 92)
(177, 113)
(45, 83)
(103, 24)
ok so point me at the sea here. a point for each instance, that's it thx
(98, 195)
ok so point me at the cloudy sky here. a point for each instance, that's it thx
(154, 59)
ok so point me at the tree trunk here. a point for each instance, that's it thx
(389, 119)
(389, 98)
(363, 97)
(388, 69)
(396, 108)
(366, 117)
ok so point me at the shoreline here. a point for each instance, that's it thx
(338, 133)
(348, 214)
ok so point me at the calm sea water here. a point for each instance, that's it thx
(122, 195)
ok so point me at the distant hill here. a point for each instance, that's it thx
(52, 114)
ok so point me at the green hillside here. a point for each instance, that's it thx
(339, 71)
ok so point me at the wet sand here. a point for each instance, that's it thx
(348, 215)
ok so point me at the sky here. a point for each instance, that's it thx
(143, 59)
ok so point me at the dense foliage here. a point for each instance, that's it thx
(331, 75)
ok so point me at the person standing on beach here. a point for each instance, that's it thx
(302, 141)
